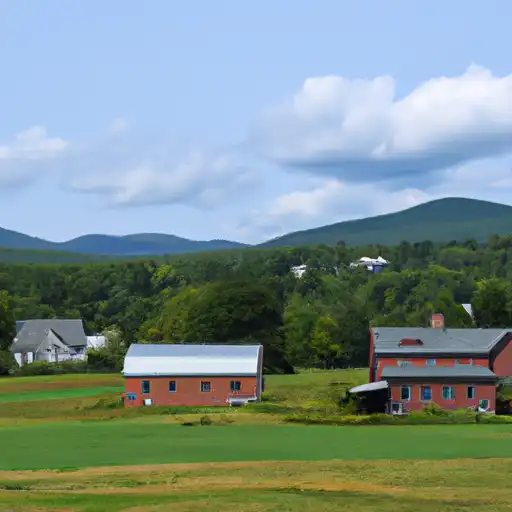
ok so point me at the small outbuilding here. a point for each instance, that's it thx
(192, 375)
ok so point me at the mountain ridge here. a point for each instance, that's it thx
(440, 220)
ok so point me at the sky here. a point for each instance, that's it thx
(247, 120)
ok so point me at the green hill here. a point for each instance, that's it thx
(441, 220)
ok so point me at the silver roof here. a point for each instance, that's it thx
(181, 360)
(463, 341)
(457, 371)
(31, 333)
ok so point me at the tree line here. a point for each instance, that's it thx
(320, 319)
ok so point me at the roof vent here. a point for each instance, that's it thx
(407, 342)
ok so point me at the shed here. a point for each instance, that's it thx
(195, 375)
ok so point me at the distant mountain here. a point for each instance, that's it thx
(441, 220)
(130, 245)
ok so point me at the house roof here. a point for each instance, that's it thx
(187, 360)
(31, 333)
(434, 340)
(458, 371)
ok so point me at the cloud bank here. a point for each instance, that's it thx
(343, 147)
(358, 131)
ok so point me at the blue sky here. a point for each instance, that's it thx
(243, 120)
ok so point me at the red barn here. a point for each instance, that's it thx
(454, 368)
(193, 375)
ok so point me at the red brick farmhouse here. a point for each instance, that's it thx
(454, 368)
(192, 375)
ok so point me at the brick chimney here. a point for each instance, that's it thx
(437, 321)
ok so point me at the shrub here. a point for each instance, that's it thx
(205, 420)
(46, 368)
(226, 420)
(459, 417)
(8, 364)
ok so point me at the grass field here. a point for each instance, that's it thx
(59, 452)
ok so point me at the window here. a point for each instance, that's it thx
(405, 393)
(206, 387)
(483, 405)
(431, 362)
(426, 393)
(448, 393)
(404, 363)
(471, 392)
(131, 396)
(145, 387)
(234, 386)
(172, 386)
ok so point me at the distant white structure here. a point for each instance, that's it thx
(299, 270)
(96, 341)
(371, 264)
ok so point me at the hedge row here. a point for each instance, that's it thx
(452, 418)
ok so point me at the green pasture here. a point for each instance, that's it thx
(57, 394)
(98, 443)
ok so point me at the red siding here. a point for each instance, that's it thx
(188, 390)
(482, 391)
(371, 377)
(420, 361)
(503, 363)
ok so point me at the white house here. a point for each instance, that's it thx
(50, 340)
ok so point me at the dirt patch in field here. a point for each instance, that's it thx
(233, 484)
(211, 467)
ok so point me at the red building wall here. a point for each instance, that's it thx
(502, 366)
(482, 391)
(420, 361)
(371, 377)
(188, 390)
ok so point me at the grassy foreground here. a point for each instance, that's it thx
(62, 450)
(369, 486)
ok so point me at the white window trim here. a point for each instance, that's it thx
(405, 399)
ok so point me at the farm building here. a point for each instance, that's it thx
(51, 340)
(192, 375)
(454, 368)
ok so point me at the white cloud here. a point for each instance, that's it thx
(126, 167)
(30, 150)
(331, 200)
(132, 175)
(357, 130)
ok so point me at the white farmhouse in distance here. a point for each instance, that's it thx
(371, 264)
(299, 270)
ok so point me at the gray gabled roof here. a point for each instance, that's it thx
(434, 340)
(32, 333)
(458, 371)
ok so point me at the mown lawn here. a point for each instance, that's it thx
(95, 443)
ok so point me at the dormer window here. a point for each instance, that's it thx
(410, 342)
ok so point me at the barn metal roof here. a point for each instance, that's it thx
(458, 371)
(434, 340)
(187, 360)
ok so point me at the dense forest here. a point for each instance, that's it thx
(251, 295)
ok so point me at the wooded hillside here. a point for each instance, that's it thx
(318, 320)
